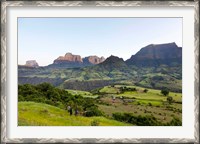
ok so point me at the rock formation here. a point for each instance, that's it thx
(70, 60)
(69, 57)
(93, 60)
(31, 63)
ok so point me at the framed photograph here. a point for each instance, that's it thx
(100, 71)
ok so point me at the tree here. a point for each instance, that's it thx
(169, 99)
(145, 90)
(165, 92)
(45, 86)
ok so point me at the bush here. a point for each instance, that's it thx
(44, 111)
(175, 122)
(165, 92)
(148, 120)
(145, 90)
(44, 87)
(60, 105)
(169, 99)
(126, 89)
(93, 111)
(94, 123)
(20, 98)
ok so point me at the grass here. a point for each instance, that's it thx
(82, 93)
(140, 103)
(39, 114)
(152, 94)
(169, 82)
(162, 113)
(147, 102)
(109, 89)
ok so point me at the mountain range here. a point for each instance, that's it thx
(154, 66)
(69, 60)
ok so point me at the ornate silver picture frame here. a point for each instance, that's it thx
(94, 4)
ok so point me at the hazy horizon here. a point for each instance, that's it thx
(45, 39)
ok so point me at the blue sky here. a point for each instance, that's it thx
(44, 39)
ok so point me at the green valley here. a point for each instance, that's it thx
(144, 90)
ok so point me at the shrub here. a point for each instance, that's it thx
(169, 99)
(93, 111)
(94, 123)
(145, 90)
(147, 120)
(60, 105)
(44, 111)
(165, 92)
(175, 122)
(20, 98)
(44, 87)
(126, 89)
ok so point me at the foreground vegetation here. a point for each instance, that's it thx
(46, 93)
(126, 104)
(38, 114)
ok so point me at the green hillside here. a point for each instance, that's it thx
(39, 114)
(82, 93)
(89, 78)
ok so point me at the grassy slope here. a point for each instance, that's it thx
(152, 94)
(82, 93)
(167, 81)
(154, 97)
(38, 114)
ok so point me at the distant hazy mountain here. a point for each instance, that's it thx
(155, 55)
(154, 66)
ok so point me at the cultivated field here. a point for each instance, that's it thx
(138, 102)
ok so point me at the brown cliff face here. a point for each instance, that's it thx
(69, 57)
(31, 63)
(70, 60)
(93, 59)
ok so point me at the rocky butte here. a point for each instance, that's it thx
(93, 60)
(69, 57)
(71, 60)
(31, 63)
